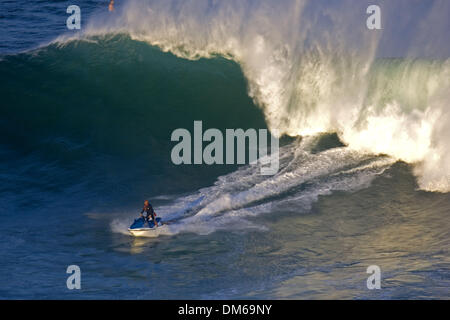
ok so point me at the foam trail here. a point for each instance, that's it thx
(236, 198)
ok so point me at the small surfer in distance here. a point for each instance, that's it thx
(111, 6)
(150, 213)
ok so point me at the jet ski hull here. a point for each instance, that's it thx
(140, 228)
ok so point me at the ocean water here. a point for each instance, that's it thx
(85, 124)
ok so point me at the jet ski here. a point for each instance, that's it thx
(141, 228)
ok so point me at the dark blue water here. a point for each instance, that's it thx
(85, 137)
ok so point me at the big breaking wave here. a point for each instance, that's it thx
(312, 71)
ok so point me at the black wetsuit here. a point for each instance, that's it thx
(150, 212)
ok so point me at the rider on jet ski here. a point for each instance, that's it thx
(150, 212)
